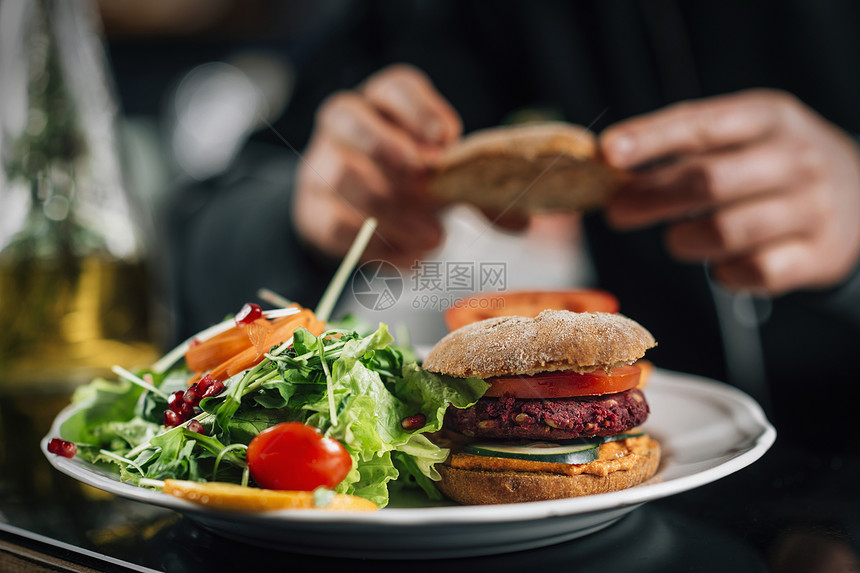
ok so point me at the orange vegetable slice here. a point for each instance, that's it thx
(212, 352)
(251, 353)
(241, 498)
(526, 303)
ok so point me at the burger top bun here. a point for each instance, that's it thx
(550, 166)
(553, 340)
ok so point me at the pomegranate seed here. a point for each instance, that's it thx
(249, 313)
(412, 423)
(214, 389)
(176, 403)
(204, 384)
(175, 399)
(62, 448)
(193, 342)
(195, 426)
(192, 395)
(172, 419)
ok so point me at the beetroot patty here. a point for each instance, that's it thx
(553, 419)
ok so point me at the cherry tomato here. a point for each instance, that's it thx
(295, 456)
(565, 384)
(526, 303)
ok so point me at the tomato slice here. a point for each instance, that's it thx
(565, 384)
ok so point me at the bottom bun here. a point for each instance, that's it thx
(479, 487)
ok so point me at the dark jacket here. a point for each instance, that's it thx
(592, 63)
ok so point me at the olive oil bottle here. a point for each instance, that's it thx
(74, 291)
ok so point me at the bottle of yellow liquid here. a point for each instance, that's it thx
(74, 291)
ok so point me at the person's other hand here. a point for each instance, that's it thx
(370, 154)
(755, 183)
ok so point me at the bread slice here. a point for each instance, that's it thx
(553, 340)
(478, 487)
(548, 166)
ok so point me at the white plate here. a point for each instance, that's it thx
(707, 430)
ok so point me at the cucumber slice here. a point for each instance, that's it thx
(576, 451)
(538, 452)
(624, 436)
(603, 439)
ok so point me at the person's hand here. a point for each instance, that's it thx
(370, 154)
(754, 183)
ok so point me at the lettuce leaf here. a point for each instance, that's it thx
(100, 403)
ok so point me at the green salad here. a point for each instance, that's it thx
(358, 388)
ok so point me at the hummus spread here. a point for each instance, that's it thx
(614, 456)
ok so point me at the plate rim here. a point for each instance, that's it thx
(447, 514)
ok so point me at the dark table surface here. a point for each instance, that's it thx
(796, 509)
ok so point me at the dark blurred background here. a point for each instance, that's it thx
(217, 100)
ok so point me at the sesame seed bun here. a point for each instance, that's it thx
(549, 166)
(553, 340)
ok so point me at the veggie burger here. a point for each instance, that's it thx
(560, 418)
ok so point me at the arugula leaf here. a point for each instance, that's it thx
(248, 421)
(170, 456)
(275, 394)
(304, 342)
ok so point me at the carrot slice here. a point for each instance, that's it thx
(258, 332)
(222, 346)
(212, 352)
(250, 357)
